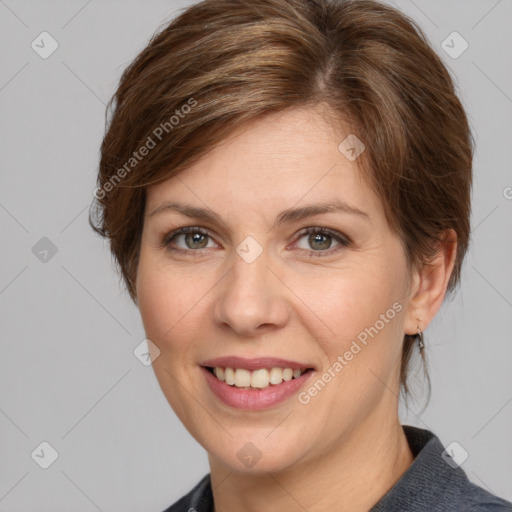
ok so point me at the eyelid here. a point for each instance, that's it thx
(341, 238)
(343, 241)
(173, 234)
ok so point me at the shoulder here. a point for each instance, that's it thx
(436, 483)
(199, 499)
(477, 499)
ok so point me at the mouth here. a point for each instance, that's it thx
(259, 378)
(258, 388)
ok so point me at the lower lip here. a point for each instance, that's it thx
(254, 399)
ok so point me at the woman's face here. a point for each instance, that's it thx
(253, 287)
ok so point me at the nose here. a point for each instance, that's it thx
(251, 299)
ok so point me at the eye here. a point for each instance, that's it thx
(193, 238)
(320, 239)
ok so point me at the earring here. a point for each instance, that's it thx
(420, 339)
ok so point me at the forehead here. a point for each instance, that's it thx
(269, 164)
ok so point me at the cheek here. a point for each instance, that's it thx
(155, 304)
(168, 313)
(160, 299)
(358, 316)
(347, 302)
(171, 305)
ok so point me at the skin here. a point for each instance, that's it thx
(345, 448)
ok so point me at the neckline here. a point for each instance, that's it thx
(413, 486)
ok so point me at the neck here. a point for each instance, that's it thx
(352, 477)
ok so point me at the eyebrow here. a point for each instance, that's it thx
(286, 216)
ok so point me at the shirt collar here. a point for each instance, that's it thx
(431, 464)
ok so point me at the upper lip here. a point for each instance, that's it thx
(255, 363)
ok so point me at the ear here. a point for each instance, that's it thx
(429, 285)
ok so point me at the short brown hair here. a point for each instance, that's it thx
(221, 63)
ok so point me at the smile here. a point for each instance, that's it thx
(258, 379)
(241, 394)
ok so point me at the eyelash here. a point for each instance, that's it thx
(343, 240)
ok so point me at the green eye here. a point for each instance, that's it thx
(319, 240)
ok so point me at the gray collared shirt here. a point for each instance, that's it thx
(430, 484)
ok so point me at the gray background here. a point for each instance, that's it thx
(68, 375)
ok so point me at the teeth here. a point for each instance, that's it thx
(259, 378)
(229, 376)
(241, 378)
(219, 373)
(287, 374)
(276, 376)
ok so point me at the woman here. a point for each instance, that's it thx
(285, 185)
